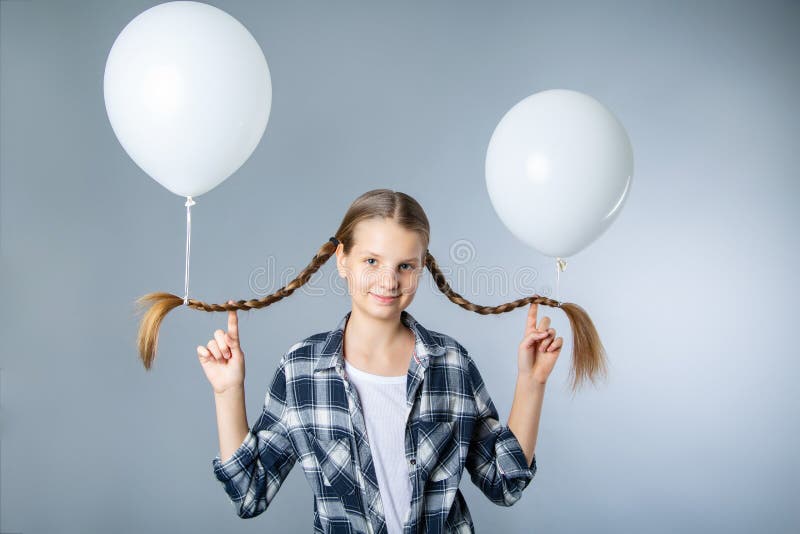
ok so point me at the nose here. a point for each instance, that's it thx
(387, 280)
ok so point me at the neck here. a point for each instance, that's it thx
(375, 340)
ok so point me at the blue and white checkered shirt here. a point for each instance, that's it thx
(313, 414)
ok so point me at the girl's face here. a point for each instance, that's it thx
(385, 261)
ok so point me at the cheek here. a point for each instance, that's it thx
(354, 277)
(364, 279)
(410, 281)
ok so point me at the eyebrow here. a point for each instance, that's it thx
(368, 253)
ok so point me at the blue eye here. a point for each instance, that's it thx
(408, 265)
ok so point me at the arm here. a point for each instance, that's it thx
(495, 460)
(262, 459)
(231, 420)
(525, 413)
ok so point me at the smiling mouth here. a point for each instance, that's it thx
(384, 299)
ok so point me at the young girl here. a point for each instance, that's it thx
(382, 413)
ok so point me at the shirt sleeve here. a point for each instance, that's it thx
(495, 459)
(256, 470)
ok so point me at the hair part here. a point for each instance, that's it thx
(589, 358)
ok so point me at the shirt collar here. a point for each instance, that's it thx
(426, 346)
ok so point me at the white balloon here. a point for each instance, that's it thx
(558, 170)
(188, 94)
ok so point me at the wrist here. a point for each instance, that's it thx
(530, 380)
(231, 391)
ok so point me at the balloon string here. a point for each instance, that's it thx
(189, 204)
(558, 278)
(561, 265)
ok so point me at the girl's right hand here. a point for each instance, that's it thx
(222, 358)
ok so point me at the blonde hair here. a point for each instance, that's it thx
(589, 359)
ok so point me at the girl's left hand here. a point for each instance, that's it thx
(539, 349)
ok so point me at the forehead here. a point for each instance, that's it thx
(386, 237)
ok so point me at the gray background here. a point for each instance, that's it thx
(692, 288)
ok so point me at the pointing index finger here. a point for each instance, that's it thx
(233, 323)
(530, 324)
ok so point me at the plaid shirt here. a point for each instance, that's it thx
(313, 414)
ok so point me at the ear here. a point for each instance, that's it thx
(341, 262)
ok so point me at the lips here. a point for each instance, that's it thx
(384, 300)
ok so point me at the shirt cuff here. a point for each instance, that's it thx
(241, 458)
(511, 459)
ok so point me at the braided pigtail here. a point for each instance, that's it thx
(589, 359)
(160, 304)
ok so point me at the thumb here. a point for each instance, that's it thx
(533, 337)
(233, 344)
(231, 340)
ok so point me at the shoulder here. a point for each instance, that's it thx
(450, 344)
(315, 341)
(457, 356)
(306, 350)
(454, 356)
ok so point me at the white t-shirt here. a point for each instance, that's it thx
(383, 401)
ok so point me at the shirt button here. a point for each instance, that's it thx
(413, 461)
